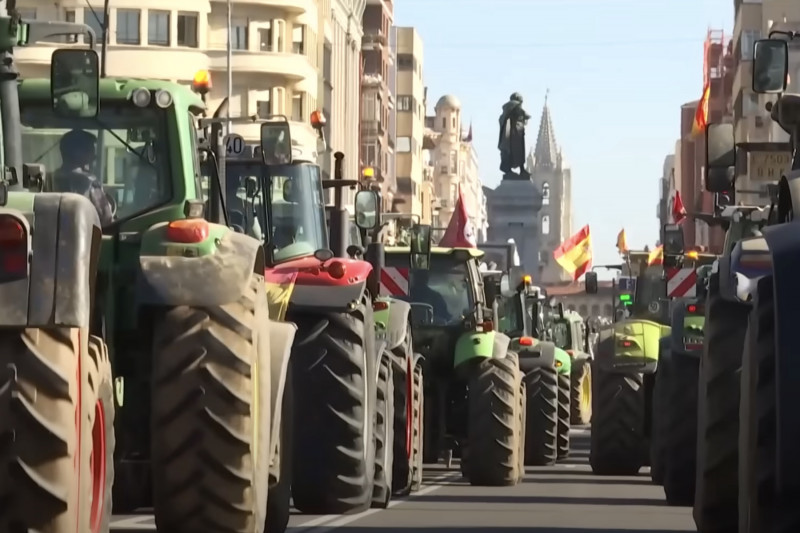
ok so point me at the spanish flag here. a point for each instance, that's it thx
(575, 254)
(622, 242)
(280, 284)
(701, 114)
(656, 257)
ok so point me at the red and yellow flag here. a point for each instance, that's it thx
(575, 254)
(701, 114)
(656, 256)
(622, 242)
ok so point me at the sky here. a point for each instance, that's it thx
(617, 72)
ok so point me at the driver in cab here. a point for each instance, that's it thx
(422, 293)
(78, 153)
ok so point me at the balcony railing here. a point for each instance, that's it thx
(373, 37)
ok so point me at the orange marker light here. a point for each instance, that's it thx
(188, 230)
(526, 341)
(692, 255)
(527, 279)
(337, 270)
(380, 306)
(201, 83)
(318, 119)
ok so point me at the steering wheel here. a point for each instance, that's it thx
(113, 203)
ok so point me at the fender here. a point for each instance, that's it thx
(418, 360)
(281, 337)
(218, 275)
(480, 344)
(64, 238)
(784, 248)
(750, 261)
(579, 356)
(398, 325)
(542, 353)
(563, 361)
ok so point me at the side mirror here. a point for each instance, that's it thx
(276, 143)
(720, 146)
(505, 286)
(770, 66)
(420, 248)
(75, 82)
(673, 239)
(590, 283)
(367, 208)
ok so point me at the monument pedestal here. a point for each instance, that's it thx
(513, 211)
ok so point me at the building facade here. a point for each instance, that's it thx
(377, 97)
(275, 50)
(455, 163)
(666, 193)
(410, 131)
(552, 176)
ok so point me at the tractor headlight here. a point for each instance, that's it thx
(141, 97)
(163, 99)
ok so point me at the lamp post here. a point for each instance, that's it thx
(229, 67)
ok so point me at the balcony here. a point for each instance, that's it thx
(372, 128)
(296, 7)
(156, 62)
(294, 67)
(373, 39)
(373, 81)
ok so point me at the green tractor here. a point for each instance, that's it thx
(570, 333)
(623, 370)
(474, 392)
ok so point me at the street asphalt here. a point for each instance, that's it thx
(565, 498)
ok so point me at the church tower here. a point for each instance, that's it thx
(551, 175)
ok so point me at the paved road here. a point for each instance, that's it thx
(560, 499)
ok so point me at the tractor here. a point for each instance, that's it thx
(570, 332)
(352, 441)
(623, 369)
(168, 302)
(474, 395)
(756, 293)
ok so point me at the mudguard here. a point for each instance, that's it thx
(750, 261)
(687, 332)
(563, 361)
(784, 247)
(392, 322)
(630, 345)
(219, 274)
(480, 344)
(64, 238)
(281, 337)
(330, 298)
(542, 353)
(578, 356)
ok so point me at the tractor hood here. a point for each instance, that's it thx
(638, 338)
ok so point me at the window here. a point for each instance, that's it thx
(264, 107)
(748, 40)
(405, 62)
(544, 257)
(187, 30)
(128, 26)
(371, 154)
(27, 13)
(297, 107)
(158, 28)
(265, 37)
(69, 16)
(546, 225)
(137, 180)
(298, 39)
(545, 193)
(403, 145)
(405, 103)
(444, 122)
(95, 19)
(239, 35)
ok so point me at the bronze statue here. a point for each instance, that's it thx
(512, 138)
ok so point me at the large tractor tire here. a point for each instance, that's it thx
(581, 393)
(523, 416)
(210, 439)
(716, 483)
(658, 415)
(403, 419)
(618, 440)
(680, 429)
(57, 430)
(384, 436)
(418, 437)
(494, 429)
(279, 506)
(541, 428)
(335, 368)
(562, 433)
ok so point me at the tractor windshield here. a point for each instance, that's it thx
(119, 160)
(561, 334)
(651, 289)
(446, 287)
(297, 209)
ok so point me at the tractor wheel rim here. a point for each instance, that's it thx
(97, 463)
(586, 396)
(409, 410)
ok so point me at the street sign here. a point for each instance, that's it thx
(768, 166)
(234, 144)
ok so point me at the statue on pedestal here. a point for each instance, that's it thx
(512, 139)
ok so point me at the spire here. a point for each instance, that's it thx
(546, 151)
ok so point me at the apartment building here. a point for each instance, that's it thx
(455, 166)
(754, 20)
(378, 97)
(275, 59)
(411, 196)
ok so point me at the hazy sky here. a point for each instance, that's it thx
(618, 72)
